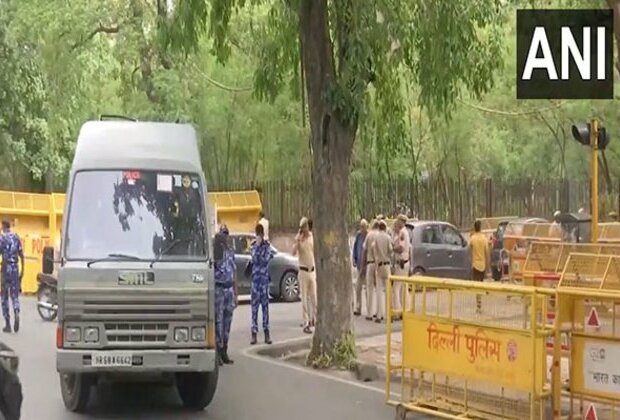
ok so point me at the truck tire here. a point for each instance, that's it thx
(75, 389)
(197, 389)
(11, 396)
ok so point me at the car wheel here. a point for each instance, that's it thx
(418, 271)
(289, 287)
(496, 272)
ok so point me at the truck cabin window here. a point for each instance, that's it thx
(143, 214)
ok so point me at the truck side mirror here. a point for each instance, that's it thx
(48, 260)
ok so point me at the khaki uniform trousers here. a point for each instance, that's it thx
(307, 289)
(360, 282)
(376, 287)
(400, 290)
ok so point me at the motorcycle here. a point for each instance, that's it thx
(47, 296)
(47, 291)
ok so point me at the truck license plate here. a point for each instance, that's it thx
(111, 360)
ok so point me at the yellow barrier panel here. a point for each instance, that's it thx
(238, 210)
(589, 310)
(544, 265)
(546, 260)
(517, 239)
(609, 232)
(490, 224)
(456, 361)
(34, 221)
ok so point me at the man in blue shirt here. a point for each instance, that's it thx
(360, 236)
(261, 256)
(12, 251)
(225, 293)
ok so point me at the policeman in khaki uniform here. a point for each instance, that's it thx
(304, 249)
(401, 247)
(379, 251)
(368, 268)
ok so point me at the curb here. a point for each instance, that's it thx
(292, 349)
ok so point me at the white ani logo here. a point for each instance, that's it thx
(569, 48)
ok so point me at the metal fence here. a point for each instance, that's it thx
(457, 201)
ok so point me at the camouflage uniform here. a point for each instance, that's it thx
(11, 249)
(224, 297)
(261, 256)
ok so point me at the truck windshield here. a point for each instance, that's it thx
(145, 214)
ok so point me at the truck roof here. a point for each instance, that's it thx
(137, 145)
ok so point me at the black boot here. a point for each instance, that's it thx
(267, 337)
(7, 326)
(253, 341)
(227, 360)
(16, 324)
(220, 362)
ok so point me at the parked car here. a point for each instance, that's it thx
(282, 269)
(500, 262)
(439, 250)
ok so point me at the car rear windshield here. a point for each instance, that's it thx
(138, 213)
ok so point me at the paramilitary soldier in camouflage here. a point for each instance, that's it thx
(261, 255)
(11, 250)
(225, 292)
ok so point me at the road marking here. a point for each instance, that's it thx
(251, 353)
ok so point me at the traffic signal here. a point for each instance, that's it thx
(581, 133)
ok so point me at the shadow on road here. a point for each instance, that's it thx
(136, 400)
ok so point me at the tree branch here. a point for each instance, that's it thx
(99, 30)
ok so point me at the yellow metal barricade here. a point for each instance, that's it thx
(546, 260)
(544, 265)
(589, 310)
(517, 239)
(32, 215)
(239, 210)
(455, 361)
(609, 232)
(489, 225)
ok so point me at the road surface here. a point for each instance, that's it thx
(253, 388)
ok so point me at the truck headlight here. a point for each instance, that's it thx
(72, 334)
(181, 334)
(91, 334)
(199, 334)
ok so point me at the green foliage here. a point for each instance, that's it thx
(400, 66)
(342, 357)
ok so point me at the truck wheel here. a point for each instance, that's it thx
(197, 389)
(75, 389)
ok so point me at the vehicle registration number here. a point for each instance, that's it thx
(111, 359)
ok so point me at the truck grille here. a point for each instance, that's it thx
(136, 333)
(134, 307)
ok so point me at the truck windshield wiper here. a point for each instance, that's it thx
(112, 257)
(168, 248)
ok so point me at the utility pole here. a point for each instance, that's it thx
(594, 176)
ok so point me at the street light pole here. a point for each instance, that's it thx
(594, 190)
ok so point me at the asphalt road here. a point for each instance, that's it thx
(253, 388)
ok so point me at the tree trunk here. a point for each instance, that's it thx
(615, 6)
(332, 145)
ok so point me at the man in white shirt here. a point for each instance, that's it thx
(263, 221)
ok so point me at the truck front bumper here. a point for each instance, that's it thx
(147, 361)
